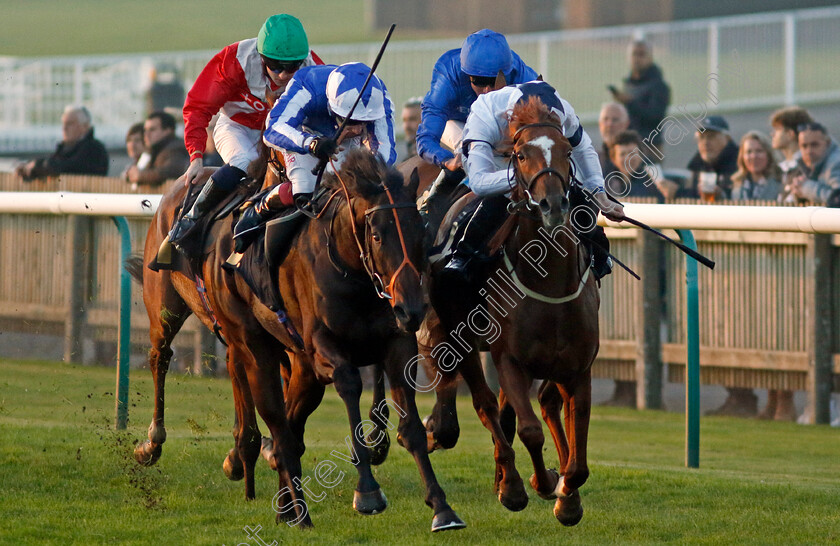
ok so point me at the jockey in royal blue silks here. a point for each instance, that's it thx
(483, 63)
(303, 122)
(490, 175)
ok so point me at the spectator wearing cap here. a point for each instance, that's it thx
(758, 175)
(646, 97)
(819, 180)
(410, 123)
(714, 163)
(78, 152)
(168, 158)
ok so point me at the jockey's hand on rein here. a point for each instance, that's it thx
(612, 210)
(323, 148)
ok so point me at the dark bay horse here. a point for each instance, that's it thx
(537, 311)
(366, 232)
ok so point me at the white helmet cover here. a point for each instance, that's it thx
(343, 86)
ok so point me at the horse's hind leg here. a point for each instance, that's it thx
(508, 483)
(551, 404)
(442, 428)
(247, 436)
(167, 312)
(578, 400)
(379, 414)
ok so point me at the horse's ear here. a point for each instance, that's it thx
(272, 96)
(540, 78)
(413, 182)
(500, 80)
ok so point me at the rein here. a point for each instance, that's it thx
(384, 292)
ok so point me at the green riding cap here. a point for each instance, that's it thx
(282, 38)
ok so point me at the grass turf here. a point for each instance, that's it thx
(68, 478)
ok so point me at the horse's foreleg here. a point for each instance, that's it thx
(167, 313)
(379, 414)
(507, 417)
(578, 400)
(413, 435)
(248, 435)
(267, 390)
(442, 429)
(508, 483)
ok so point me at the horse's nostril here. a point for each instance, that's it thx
(401, 313)
(545, 207)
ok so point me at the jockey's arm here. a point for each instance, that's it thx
(485, 178)
(283, 125)
(383, 133)
(436, 107)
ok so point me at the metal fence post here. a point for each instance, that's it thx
(714, 60)
(124, 339)
(790, 59)
(692, 368)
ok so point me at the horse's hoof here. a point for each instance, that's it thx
(567, 509)
(379, 452)
(372, 502)
(147, 455)
(513, 497)
(305, 523)
(446, 521)
(547, 494)
(266, 450)
(232, 466)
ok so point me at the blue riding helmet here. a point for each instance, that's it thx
(485, 53)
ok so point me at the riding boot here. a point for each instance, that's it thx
(592, 234)
(220, 184)
(247, 228)
(471, 248)
(599, 246)
(441, 190)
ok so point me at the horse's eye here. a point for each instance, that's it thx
(376, 238)
(520, 156)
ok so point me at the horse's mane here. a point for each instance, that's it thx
(364, 173)
(532, 111)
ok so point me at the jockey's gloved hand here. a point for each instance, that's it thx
(613, 210)
(323, 148)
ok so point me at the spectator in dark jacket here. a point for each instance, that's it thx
(168, 157)
(629, 178)
(77, 153)
(819, 165)
(646, 97)
(714, 163)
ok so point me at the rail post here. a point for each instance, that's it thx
(692, 371)
(124, 337)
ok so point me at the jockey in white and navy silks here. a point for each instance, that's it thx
(489, 176)
(302, 125)
(458, 78)
(309, 109)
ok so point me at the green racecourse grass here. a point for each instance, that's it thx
(81, 27)
(68, 478)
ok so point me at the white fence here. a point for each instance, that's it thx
(731, 63)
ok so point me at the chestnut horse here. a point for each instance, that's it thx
(539, 315)
(343, 321)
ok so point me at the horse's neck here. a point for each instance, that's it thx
(341, 240)
(546, 258)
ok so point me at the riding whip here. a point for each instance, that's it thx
(322, 164)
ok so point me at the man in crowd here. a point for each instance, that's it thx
(819, 178)
(646, 97)
(77, 153)
(714, 163)
(168, 158)
(410, 122)
(612, 120)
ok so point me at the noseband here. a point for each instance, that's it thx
(365, 254)
(528, 202)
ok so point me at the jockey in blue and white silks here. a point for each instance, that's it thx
(310, 111)
(302, 124)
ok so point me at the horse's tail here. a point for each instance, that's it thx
(134, 265)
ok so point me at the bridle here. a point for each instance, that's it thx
(384, 292)
(528, 202)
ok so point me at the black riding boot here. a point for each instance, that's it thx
(247, 228)
(210, 196)
(441, 190)
(595, 238)
(472, 247)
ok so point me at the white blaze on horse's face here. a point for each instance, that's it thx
(545, 144)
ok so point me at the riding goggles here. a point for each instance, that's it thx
(279, 67)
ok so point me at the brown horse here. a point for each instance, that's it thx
(538, 312)
(343, 322)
